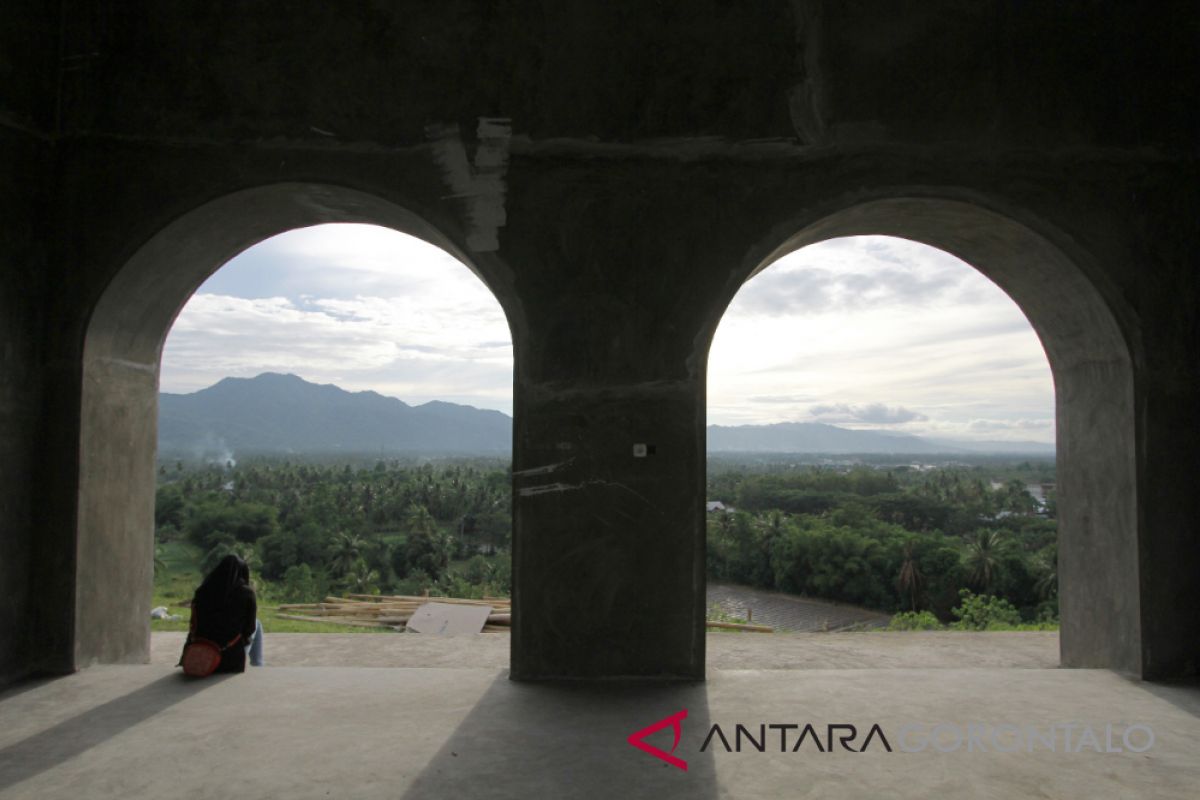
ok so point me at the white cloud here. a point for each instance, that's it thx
(944, 342)
(431, 330)
(872, 413)
(853, 325)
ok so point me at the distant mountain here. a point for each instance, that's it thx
(818, 437)
(989, 446)
(275, 413)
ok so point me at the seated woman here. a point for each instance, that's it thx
(225, 608)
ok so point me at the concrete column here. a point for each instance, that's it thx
(1099, 603)
(1169, 540)
(115, 545)
(609, 531)
(609, 401)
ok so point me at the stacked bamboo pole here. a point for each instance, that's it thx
(390, 611)
(394, 611)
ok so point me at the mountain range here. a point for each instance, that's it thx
(275, 413)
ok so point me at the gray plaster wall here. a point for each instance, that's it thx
(613, 173)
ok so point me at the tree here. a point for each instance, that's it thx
(983, 557)
(984, 612)
(1046, 564)
(426, 548)
(910, 579)
(361, 579)
(301, 585)
(345, 550)
(224, 545)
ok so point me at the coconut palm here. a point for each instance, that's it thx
(1046, 564)
(361, 579)
(910, 578)
(982, 558)
(345, 550)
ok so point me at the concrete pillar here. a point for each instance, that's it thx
(115, 544)
(608, 556)
(1168, 396)
(1169, 547)
(609, 401)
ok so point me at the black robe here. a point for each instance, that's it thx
(220, 623)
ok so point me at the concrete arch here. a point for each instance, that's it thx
(121, 362)
(1092, 361)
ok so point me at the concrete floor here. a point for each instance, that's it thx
(876, 649)
(346, 732)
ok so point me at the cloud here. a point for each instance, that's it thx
(342, 261)
(833, 327)
(943, 340)
(860, 273)
(781, 398)
(1006, 425)
(873, 413)
(445, 339)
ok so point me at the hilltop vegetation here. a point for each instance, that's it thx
(310, 529)
(895, 540)
(889, 538)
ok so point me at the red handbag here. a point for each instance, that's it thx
(201, 657)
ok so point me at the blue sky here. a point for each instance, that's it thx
(868, 332)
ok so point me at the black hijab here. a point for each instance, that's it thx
(224, 583)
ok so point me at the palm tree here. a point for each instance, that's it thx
(982, 558)
(910, 578)
(1047, 582)
(419, 520)
(361, 579)
(345, 550)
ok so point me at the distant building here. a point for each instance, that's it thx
(717, 505)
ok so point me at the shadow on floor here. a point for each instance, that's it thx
(1183, 693)
(565, 740)
(67, 739)
(28, 684)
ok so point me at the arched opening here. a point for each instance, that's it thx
(1095, 423)
(880, 437)
(122, 361)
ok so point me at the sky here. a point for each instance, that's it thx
(861, 332)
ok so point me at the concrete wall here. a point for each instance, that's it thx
(22, 261)
(614, 173)
(28, 570)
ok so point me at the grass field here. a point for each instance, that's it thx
(176, 583)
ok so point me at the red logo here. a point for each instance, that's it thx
(636, 739)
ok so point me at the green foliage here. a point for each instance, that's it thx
(345, 553)
(896, 539)
(361, 579)
(914, 621)
(382, 527)
(1045, 565)
(984, 612)
(415, 583)
(717, 614)
(893, 540)
(302, 585)
(215, 517)
(426, 548)
(169, 507)
(983, 557)
(225, 545)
